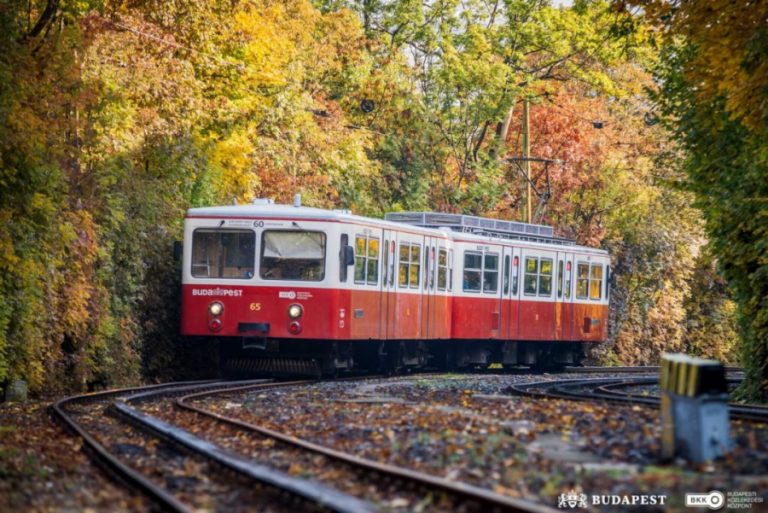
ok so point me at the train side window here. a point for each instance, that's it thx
(608, 282)
(582, 280)
(405, 265)
(545, 277)
(427, 270)
(560, 278)
(372, 270)
(442, 269)
(568, 280)
(473, 269)
(391, 263)
(433, 268)
(342, 264)
(491, 273)
(530, 281)
(385, 263)
(595, 281)
(360, 257)
(450, 269)
(515, 275)
(506, 275)
(223, 253)
(415, 266)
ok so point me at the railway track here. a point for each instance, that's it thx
(616, 390)
(453, 496)
(179, 472)
(146, 412)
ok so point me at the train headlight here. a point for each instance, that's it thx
(295, 311)
(215, 308)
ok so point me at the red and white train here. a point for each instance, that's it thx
(282, 282)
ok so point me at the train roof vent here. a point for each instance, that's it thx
(479, 225)
(263, 201)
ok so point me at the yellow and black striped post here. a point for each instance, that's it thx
(694, 407)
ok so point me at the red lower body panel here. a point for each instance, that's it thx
(334, 314)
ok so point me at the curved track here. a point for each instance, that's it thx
(466, 496)
(615, 390)
(127, 409)
(87, 415)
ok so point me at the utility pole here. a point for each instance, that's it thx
(526, 160)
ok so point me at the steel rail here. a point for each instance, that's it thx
(101, 456)
(314, 493)
(484, 498)
(627, 369)
(605, 389)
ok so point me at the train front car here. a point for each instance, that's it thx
(263, 280)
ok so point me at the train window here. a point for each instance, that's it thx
(342, 264)
(595, 281)
(427, 270)
(506, 275)
(372, 275)
(292, 255)
(545, 277)
(568, 275)
(607, 282)
(560, 278)
(405, 264)
(515, 275)
(531, 276)
(491, 273)
(391, 263)
(433, 269)
(366, 260)
(385, 263)
(450, 269)
(442, 269)
(223, 253)
(410, 266)
(582, 280)
(360, 254)
(473, 269)
(415, 266)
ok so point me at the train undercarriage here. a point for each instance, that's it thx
(264, 356)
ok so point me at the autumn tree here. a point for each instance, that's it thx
(714, 73)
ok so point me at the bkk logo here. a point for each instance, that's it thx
(712, 500)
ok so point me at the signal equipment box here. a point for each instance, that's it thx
(694, 408)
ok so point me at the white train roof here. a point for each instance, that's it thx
(468, 228)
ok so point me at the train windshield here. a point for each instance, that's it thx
(292, 255)
(224, 254)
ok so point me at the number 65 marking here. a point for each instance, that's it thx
(255, 307)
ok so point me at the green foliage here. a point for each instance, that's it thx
(727, 164)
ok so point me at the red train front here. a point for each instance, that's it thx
(283, 285)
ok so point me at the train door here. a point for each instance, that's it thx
(505, 303)
(568, 320)
(515, 287)
(537, 310)
(407, 316)
(428, 289)
(443, 278)
(561, 312)
(388, 284)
